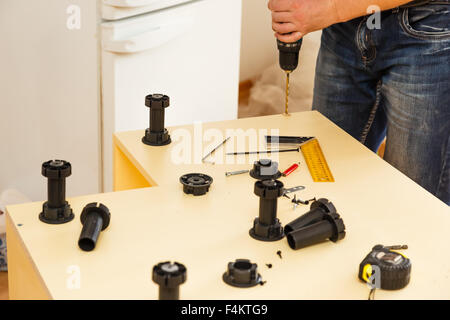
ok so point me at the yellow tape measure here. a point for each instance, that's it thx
(317, 165)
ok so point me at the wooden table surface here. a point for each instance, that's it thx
(150, 225)
(161, 165)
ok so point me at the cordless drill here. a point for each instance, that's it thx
(288, 62)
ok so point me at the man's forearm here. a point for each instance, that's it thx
(292, 19)
(350, 9)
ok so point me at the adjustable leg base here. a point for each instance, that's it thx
(156, 138)
(265, 232)
(59, 215)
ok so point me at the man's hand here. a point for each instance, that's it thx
(292, 19)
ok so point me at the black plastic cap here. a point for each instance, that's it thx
(338, 226)
(288, 54)
(99, 208)
(264, 169)
(242, 274)
(56, 169)
(324, 204)
(269, 189)
(169, 275)
(196, 183)
(157, 101)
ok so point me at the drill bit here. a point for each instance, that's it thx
(288, 59)
(286, 108)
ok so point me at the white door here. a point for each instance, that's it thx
(188, 52)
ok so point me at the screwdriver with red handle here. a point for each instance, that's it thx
(289, 170)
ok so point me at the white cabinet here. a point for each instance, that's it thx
(188, 52)
(119, 9)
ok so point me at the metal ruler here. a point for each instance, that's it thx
(316, 162)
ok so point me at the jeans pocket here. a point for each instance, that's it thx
(3, 259)
(428, 22)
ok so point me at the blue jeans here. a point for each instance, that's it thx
(393, 82)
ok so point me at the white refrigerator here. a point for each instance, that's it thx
(73, 72)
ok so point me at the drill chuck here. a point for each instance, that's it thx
(289, 53)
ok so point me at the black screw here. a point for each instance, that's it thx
(296, 201)
(279, 254)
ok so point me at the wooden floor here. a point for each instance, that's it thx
(4, 286)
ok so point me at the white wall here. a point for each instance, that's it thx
(48, 95)
(258, 44)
